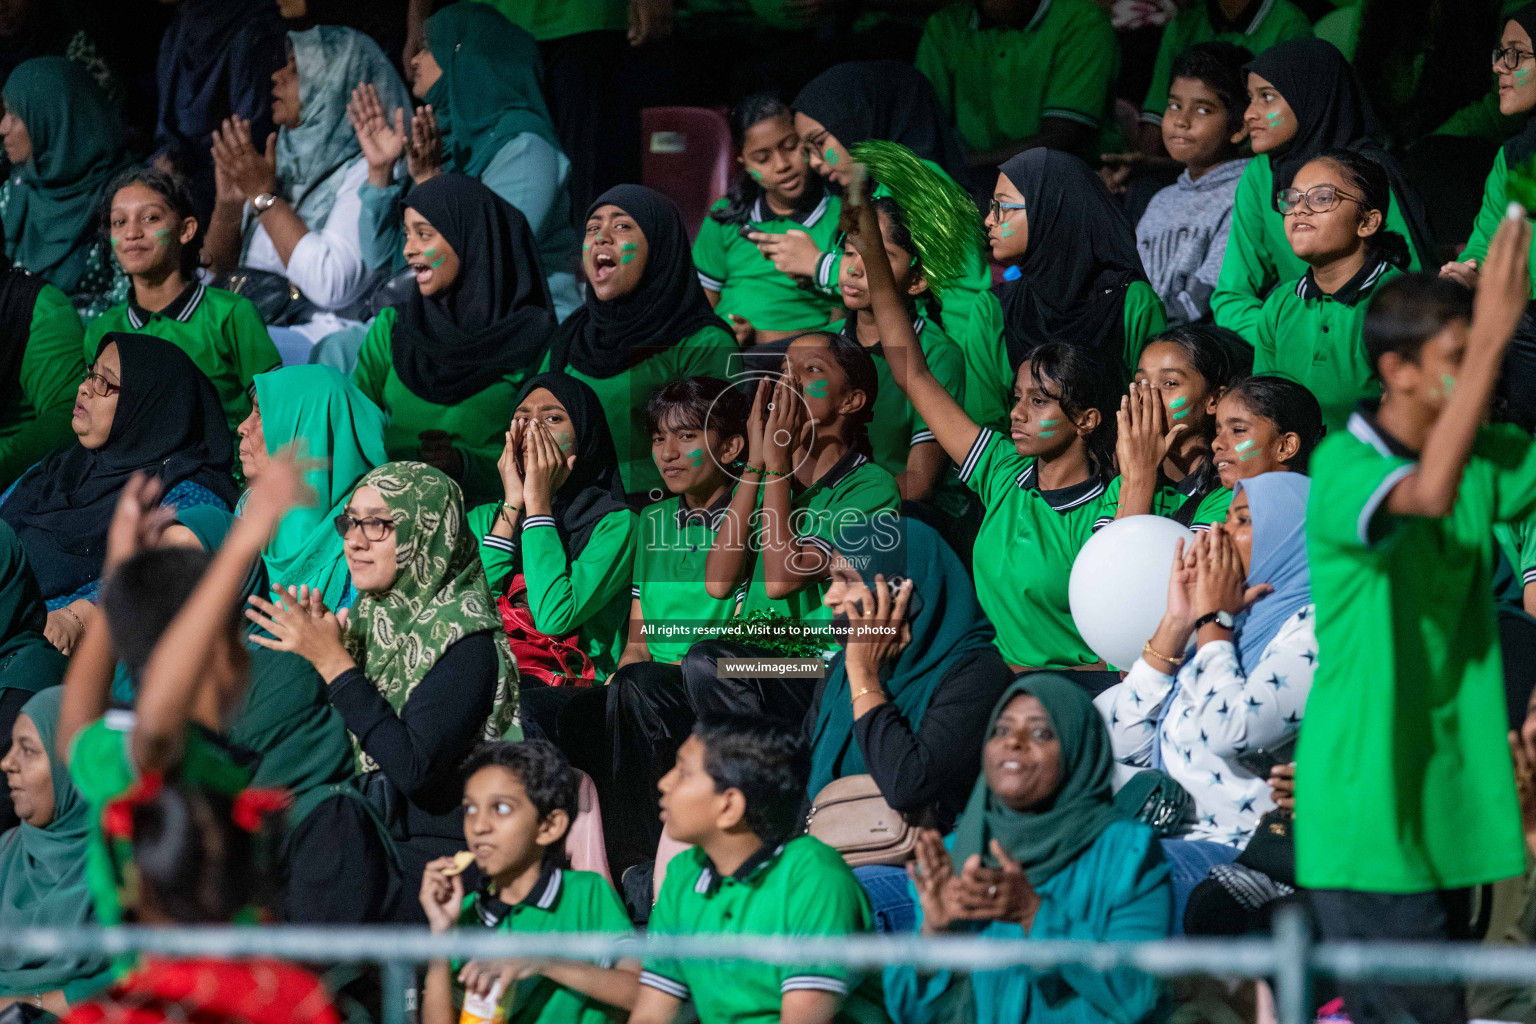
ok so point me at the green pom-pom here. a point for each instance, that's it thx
(778, 634)
(1520, 185)
(945, 227)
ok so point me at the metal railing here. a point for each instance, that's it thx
(1289, 958)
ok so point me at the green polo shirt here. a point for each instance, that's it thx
(101, 765)
(477, 425)
(854, 490)
(1495, 201)
(220, 330)
(1315, 339)
(1024, 552)
(800, 888)
(1403, 776)
(989, 374)
(588, 597)
(36, 419)
(1258, 254)
(563, 901)
(998, 83)
(749, 285)
(1262, 25)
(1170, 499)
(669, 577)
(707, 352)
(556, 19)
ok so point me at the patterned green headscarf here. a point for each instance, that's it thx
(438, 596)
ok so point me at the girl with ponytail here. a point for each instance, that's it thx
(774, 191)
(1310, 329)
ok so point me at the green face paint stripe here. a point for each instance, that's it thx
(628, 247)
(1047, 433)
(1447, 384)
(1275, 117)
(832, 156)
(1007, 232)
(757, 174)
(697, 455)
(1182, 413)
(1249, 455)
(626, 257)
(1243, 446)
(439, 262)
(564, 440)
(586, 246)
(163, 234)
(816, 389)
(1179, 403)
(1049, 423)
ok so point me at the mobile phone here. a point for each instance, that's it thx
(1260, 761)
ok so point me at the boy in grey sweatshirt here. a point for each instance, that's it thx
(1183, 234)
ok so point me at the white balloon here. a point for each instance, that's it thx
(1119, 585)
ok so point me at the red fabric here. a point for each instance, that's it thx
(551, 660)
(211, 992)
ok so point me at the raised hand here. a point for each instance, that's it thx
(878, 635)
(932, 873)
(382, 141)
(1220, 580)
(137, 522)
(1144, 438)
(509, 464)
(441, 895)
(424, 159)
(246, 171)
(308, 629)
(1504, 285)
(1002, 893)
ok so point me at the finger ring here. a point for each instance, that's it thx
(991, 890)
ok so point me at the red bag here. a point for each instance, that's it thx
(551, 660)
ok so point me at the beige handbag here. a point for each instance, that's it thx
(851, 816)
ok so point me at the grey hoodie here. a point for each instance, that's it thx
(1183, 236)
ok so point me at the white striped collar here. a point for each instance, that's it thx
(180, 308)
(1063, 499)
(545, 891)
(1352, 292)
(761, 212)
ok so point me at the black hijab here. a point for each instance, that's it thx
(594, 488)
(168, 423)
(603, 339)
(882, 99)
(495, 319)
(18, 298)
(1520, 148)
(1081, 258)
(1333, 112)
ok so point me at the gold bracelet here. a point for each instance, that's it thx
(1147, 648)
(71, 613)
(867, 691)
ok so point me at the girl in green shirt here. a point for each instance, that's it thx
(645, 320)
(774, 192)
(149, 219)
(1264, 424)
(1303, 98)
(1310, 330)
(1041, 487)
(1080, 276)
(446, 364)
(40, 336)
(562, 535)
(1165, 426)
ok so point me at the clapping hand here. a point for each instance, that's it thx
(244, 172)
(1002, 893)
(300, 623)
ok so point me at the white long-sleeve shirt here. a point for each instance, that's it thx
(1217, 714)
(326, 265)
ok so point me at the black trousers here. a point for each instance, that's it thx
(340, 872)
(626, 734)
(1345, 915)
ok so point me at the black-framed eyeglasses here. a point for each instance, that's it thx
(373, 529)
(1509, 57)
(1318, 198)
(98, 385)
(997, 206)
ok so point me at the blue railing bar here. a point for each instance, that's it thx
(1293, 978)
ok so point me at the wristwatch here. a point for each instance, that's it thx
(263, 202)
(1221, 618)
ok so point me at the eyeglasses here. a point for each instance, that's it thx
(373, 529)
(98, 385)
(1509, 57)
(997, 206)
(1318, 198)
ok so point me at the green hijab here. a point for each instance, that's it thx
(343, 433)
(947, 624)
(1046, 840)
(78, 144)
(438, 596)
(312, 158)
(27, 660)
(491, 88)
(42, 873)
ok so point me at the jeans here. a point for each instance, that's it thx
(1189, 861)
(890, 897)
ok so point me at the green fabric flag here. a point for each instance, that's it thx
(42, 873)
(78, 144)
(438, 596)
(342, 433)
(491, 88)
(1047, 840)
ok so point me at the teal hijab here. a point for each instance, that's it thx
(342, 433)
(312, 158)
(78, 144)
(946, 620)
(27, 660)
(1046, 839)
(42, 873)
(491, 88)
